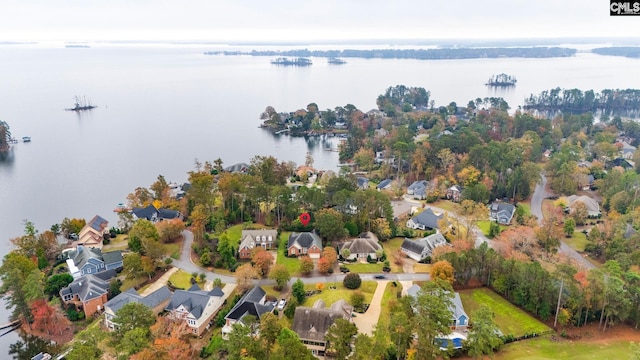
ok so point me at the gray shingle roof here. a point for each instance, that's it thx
(145, 212)
(430, 242)
(82, 254)
(417, 185)
(87, 287)
(362, 245)
(313, 323)
(384, 183)
(304, 239)
(194, 300)
(428, 219)
(112, 257)
(131, 295)
(249, 304)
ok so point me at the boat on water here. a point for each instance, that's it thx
(81, 104)
(336, 61)
(292, 62)
(26, 139)
(501, 80)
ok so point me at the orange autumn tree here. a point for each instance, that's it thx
(443, 270)
(262, 261)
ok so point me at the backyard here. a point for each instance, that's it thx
(329, 296)
(509, 318)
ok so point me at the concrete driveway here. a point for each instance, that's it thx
(367, 322)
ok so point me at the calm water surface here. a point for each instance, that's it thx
(162, 107)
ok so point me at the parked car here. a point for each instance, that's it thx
(281, 304)
(344, 269)
(380, 277)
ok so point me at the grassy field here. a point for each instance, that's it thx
(329, 296)
(509, 318)
(181, 279)
(292, 264)
(545, 347)
(526, 206)
(390, 247)
(422, 268)
(484, 226)
(389, 299)
(120, 242)
(364, 267)
(445, 204)
(577, 242)
(234, 233)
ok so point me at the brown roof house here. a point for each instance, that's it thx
(88, 293)
(197, 307)
(311, 324)
(304, 243)
(365, 245)
(92, 234)
(265, 238)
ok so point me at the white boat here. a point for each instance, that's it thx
(26, 139)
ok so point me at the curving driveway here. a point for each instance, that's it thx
(539, 194)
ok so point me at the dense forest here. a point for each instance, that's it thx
(609, 101)
(627, 51)
(421, 54)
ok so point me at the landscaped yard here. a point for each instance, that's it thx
(577, 242)
(329, 296)
(120, 242)
(292, 264)
(484, 226)
(181, 279)
(359, 267)
(548, 347)
(390, 247)
(509, 318)
(422, 268)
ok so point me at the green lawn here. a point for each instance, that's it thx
(234, 233)
(329, 296)
(577, 242)
(544, 348)
(359, 267)
(526, 206)
(120, 242)
(390, 247)
(509, 318)
(292, 264)
(485, 224)
(445, 204)
(173, 249)
(389, 300)
(181, 279)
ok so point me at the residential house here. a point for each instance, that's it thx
(304, 243)
(265, 238)
(459, 320)
(84, 261)
(501, 212)
(92, 234)
(421, 249)
(454, 193)
(364, 246)
(626, 150)
(384, 185)
(113, 260)
(384, 158)
(156, 301)
(154, 214)
(241, 168)
(312, 324)
(196, 307)
(88, 293)
(426, 220)
(586, 182)
(362, 182)
(593, 208)
(418, 189)
(253, 303)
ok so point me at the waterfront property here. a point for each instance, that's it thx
(93, 233)
(83, 261)
(88, 293)
(154, 214)
(156, 301)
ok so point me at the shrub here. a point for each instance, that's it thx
(352, 281)
(357, 299)
(74, 315)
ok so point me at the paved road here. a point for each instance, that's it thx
(539, 194)
(187, 265)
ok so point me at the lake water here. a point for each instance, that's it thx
(162, 107)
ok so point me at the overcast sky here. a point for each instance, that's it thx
(260, 20)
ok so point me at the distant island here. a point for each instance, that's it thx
(421, 54)
(292, 62)
(336, 61)
(501, 80)
(81, 104)
(626, 51)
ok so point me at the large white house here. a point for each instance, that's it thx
(420, 249)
